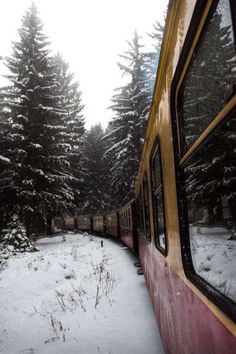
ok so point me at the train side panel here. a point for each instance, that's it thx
(58, 224)
(112, 224)
(69, 223)
(186, 324)
(84, 223)
(99, 223)
(126, 225)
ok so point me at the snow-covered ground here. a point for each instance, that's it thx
(76, 297)
(214, 257)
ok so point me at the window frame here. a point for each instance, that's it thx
(157, 149)
(203, 10)
(146, 207)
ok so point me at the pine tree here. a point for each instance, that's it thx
(97, 187)
(74, 135)
(39, 177)
(151, 60)
(127, 127)
(14, 239)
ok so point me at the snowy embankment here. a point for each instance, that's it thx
(76, 297)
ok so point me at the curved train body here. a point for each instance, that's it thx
(182, 223)
(113, 224)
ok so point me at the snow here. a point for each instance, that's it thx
(214, 257)
(36, 146)
(75, 296)
(4, 159)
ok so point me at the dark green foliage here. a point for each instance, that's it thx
(131, 106)
(42, 125)
(73, 136)
(14, 239)
(96, 184)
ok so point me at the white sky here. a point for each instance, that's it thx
(89, 34)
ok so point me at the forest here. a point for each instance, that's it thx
(50, 165)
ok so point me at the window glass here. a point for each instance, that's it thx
(158, 197)
(122, 219)
(210, 79)
(130, 218)
(141, 212)
(146, 208)
(211, 198)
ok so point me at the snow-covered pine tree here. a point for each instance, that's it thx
(127, 128)
(72, 139)
(151, 59)
(39, 177)
(97, 186)
(14, 239)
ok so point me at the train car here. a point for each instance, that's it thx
(69, 223)
(112, 224)
(58, 224)
(185, 188)
(99, 223)
(84, 223)
(127, 220)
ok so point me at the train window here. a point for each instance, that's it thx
(146, 208)
(141, 212)
(210, 80)
(211, 202)
(125, 219)
(158, 199)
(122, 219)
(129, 218)
(206, 109)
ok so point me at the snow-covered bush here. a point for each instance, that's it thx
(14, 239)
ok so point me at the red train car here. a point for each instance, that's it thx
(99, 223)
(58, 224)
(84, 222)
(186, 190)
(112, 224)
(128, 231)
(69, 223)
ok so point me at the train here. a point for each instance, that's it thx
(182, 221)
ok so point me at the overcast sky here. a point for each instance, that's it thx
(89, 34)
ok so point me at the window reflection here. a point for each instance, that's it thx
(158, 203)
(146, 208)
(211, 76)
(211, 197)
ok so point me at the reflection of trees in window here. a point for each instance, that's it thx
(141, 212)
(210, 79)
(211, 197)
(211, 177)
(146, 208)
(157, 195)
